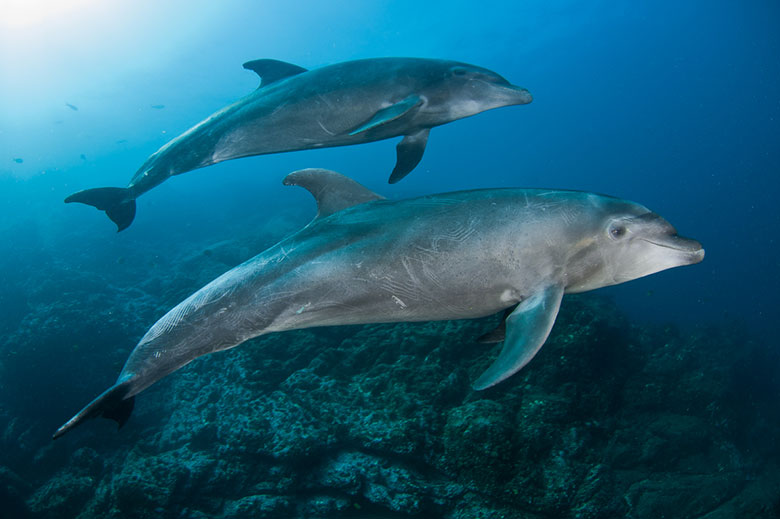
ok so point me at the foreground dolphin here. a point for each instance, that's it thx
(364, 259)
(295, 109)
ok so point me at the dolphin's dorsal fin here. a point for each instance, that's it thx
(526, 330)
(332, 191)
(271, 70)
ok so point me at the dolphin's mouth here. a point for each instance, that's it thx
(677, 243)
(518, 95)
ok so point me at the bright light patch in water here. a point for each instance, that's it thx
(24, 13)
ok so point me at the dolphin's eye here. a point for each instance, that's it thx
(617, 231)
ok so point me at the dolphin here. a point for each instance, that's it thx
(365, 259)
(297, 109)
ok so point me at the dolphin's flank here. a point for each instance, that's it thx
(364, 259)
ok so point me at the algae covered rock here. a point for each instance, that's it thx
(259, 506)
(609, 420)
(479, 443)
(62, 496)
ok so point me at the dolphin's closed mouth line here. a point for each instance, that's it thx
(672, 247)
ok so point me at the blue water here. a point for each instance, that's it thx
(673, 106)
(670, 104)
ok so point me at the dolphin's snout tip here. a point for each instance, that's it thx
(695, 252)
(515, 95)
(524, 96)
(688, 251)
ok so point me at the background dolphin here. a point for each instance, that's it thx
(297, 109)
(456, 255)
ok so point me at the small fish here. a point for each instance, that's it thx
(121, 141)
(158, 107)
(72, 107)
(18, 160)
(83, 157)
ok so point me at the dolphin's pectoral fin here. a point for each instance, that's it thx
(110, 404)
(499, 333)
(391, 113)
(332, 191)
(526, 330)
(409, 152)
(271, 70)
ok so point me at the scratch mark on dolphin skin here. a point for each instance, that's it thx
(279, 107)
(458, 234)
(325, 100)
(283, 254)
(414, 280)
(398, 301)
(444, 205)
(389, 285)
(325, 129)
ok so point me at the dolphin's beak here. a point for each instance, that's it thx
(692, 249)
(522, 95)
(510, 94)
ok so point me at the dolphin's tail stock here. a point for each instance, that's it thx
(115, 201)
(112, 404)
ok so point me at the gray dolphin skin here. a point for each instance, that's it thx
(338, 105)
(364, 259)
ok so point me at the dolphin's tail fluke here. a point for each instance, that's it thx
(111, 404)
(115, 201)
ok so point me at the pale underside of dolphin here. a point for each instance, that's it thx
(338, 105)
(364, 259)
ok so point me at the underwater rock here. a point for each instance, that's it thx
(609, 420)
(479, 443)
(392, 484)
(688, 495)
(324, 506)
(143, 484)
(261, 507)
(62, 496)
